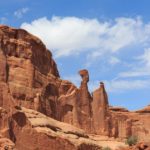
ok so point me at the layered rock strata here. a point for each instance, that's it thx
(44, 133)
(29, 79)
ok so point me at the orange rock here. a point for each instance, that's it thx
(100, 111)
(29, 78)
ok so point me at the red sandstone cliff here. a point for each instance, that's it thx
(29, 80)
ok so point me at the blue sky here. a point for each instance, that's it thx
(110, 38)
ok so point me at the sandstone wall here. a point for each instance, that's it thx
(29, 78)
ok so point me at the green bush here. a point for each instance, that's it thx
(106, 148)
(132, 140)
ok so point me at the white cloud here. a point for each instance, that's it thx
(145, 58)
(137, 72)
(126, 85)
(71, 35)
(92, 57)
(20, 12)
(114, 60)
(139, 69)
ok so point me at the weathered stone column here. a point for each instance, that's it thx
(84, 100)
(100, 110)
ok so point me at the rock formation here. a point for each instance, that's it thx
(44, 133)
(100, 111)
(139, 146)
(32, 93)
(84, 102)
(131, 123)
(6, 144)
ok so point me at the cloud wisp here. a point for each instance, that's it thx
(141, 68)
(20, 12)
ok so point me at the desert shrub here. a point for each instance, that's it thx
(132, 140)
(106, 148)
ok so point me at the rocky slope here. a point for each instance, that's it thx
(29, 80)
(139, 146)
(44, 133)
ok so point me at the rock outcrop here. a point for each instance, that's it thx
(100, 107)
(139, 146)
(44, 133)
(6, 144)
(29, 76)
(131, 123)
(84, 102)
(32, 93)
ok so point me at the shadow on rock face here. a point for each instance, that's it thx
(20, 118)
(88, 147)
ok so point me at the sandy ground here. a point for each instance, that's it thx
(107, 142)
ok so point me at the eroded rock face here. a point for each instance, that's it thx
(131, 123)
(100, 106)
(139, 146)
(45, 133)
(84, 102)
(28, 70)
(6, 144)
(29, 79)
